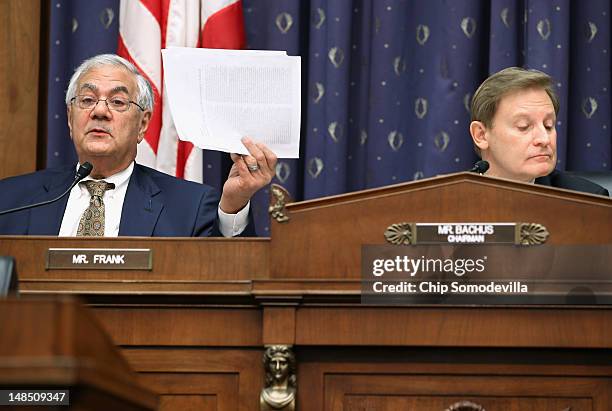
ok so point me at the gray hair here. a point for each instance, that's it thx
(145, 92)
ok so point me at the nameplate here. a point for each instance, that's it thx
(466, 233)
(99, 259)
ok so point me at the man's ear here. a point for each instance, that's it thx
(69, 116)
(144, 125)
(478, 131)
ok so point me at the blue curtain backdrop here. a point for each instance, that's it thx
(387, 83)
(78, 30)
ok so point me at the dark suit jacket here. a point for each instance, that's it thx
(562, 180)
(155, 204)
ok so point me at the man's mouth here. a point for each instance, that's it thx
(541, 156)
(98, 130)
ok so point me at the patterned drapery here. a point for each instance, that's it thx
(78, 30)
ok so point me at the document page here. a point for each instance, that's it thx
(216, 97)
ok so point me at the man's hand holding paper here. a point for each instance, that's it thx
(248, 174)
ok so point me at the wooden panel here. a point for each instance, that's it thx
(436, 393)
(456, 327)
(193, 391)
(182, 326)
(213, 379)
(188, 402)
(279, 325)
(19, 82)
(175, 260)
(375, 379)
(394, 403)
(323, 237)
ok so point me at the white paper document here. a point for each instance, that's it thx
(216, 97)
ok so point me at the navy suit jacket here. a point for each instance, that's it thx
(562, 180)
(155, 204)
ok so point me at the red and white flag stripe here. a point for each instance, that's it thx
(148, 26)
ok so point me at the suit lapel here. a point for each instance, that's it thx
(141, 209)
(47, 220)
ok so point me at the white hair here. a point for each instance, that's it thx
(145, 92)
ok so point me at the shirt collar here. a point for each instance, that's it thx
(118, 179)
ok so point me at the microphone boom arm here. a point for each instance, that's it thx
(83, 171)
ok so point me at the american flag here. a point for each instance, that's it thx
(148, 26)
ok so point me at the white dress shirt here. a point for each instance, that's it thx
(230, 225)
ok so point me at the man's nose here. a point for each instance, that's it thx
(100, 110)
(541, 136)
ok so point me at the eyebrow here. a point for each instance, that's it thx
(114, 90)
(521, 116)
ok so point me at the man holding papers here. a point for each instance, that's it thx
(109, 107)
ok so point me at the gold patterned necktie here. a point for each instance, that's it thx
(92, 220)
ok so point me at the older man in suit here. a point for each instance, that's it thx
(109, 106)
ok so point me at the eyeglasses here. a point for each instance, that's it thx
(118, 104)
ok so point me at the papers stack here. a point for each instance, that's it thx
(216, 97)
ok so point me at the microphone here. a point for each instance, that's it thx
(480, 167)
(83, 171)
